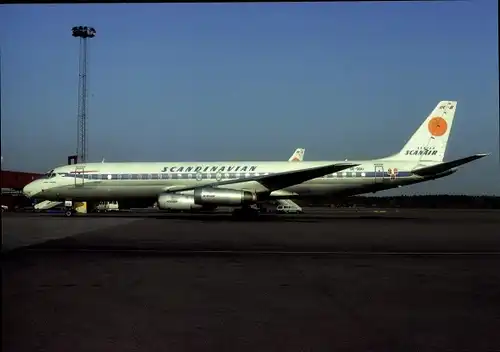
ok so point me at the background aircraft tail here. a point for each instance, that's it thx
(298, 155)
(428, 143)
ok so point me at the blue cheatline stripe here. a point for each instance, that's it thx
(217, 176)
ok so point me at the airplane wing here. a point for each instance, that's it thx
(442, 167)
(277, 180)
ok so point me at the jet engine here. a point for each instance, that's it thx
(177, 202)
(205, 198)
(220, 196)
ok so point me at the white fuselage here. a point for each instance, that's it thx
(114, 181)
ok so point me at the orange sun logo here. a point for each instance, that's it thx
(437, 126)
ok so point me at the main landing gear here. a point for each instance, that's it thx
(69, 210)
(246, 212)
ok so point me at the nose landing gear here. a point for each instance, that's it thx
(69, 210)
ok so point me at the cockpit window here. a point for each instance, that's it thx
(48, 174)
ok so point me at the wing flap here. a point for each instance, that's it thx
(278, 180)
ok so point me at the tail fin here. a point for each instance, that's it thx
(429, 142)
(298, 155)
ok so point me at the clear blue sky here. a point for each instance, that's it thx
(183, 82)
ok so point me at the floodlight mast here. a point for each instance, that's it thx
(84, 33)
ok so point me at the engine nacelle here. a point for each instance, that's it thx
(220, 196)
(177, 202)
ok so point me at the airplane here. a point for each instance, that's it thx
(242, 184)
(298, 155)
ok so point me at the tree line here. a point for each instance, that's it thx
(415, 201)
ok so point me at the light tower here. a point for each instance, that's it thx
(84, 33)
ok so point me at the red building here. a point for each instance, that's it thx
(12, 183)
(17, 180)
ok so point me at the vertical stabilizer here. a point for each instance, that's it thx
(298, 155)
(429, 142)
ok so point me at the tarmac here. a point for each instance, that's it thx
(329, 279)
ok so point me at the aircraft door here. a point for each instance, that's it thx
(79, 176)
(379, 173)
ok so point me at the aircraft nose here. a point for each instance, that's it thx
(28, 190)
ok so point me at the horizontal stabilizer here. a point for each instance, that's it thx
(443, 167)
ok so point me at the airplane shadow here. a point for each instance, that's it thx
(224, 217)
(278, 218)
